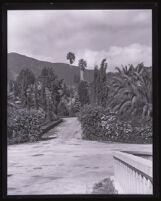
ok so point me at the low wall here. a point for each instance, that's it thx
(143, 154)
(51, 125)
(133, 174)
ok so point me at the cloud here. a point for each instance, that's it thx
(117, 56)
(50, 34)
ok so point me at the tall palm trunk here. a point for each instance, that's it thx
(81, 75)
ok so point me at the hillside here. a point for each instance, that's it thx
(16, 62)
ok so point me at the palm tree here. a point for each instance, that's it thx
(132, 91)
(82, 64)
(71, 57)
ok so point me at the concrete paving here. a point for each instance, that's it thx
(64, 165)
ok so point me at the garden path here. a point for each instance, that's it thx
(64, 165)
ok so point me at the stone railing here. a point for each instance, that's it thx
(133, 174)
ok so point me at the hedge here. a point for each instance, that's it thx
(24, 126)
(104, 125)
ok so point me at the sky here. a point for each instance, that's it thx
(121, 36)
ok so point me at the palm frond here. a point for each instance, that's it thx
(118, 69)
(124, 104)
(133, 100)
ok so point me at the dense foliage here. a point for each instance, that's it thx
(35, 101)
(115, 106)
(99, 86)
(45, 91)
(76, 105)
(131, 93)
(100, 124)
(22, 86)
(127, 92)
(51, 90)
(83, 93)
(24, 126)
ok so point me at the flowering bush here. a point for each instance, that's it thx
(24, 126)
(100, 124)
(90, 118)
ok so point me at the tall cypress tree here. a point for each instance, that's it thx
(83, 93)
(95, 84)
(100, 90)
(103, 93)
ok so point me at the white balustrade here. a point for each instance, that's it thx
(133, 173)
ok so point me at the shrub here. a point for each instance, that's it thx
(90, 118)
(24, 126)
(103, 124)
(76, 105)
(104, 187)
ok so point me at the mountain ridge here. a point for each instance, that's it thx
(16, 62)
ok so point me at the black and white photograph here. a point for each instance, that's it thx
(79, 102)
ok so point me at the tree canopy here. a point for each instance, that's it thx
(82, 64)
(71, 57)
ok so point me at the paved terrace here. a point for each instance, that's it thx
(65, 165)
